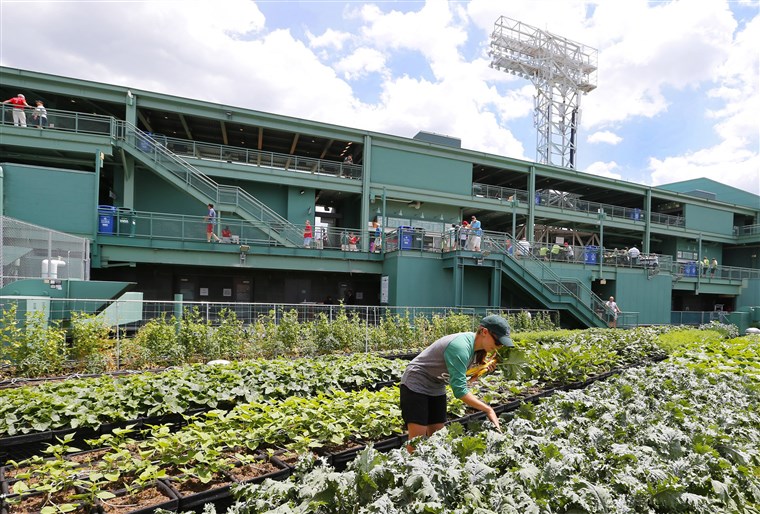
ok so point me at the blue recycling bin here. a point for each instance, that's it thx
(691, 269)
(636, 214)
(105, 219)
(591, 254)
(405, 238)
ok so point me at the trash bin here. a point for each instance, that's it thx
(636, 214)
(591, 254)
(105, 219)
(126, 222)
(405, 238)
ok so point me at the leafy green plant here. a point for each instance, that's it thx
(90, 338)
(159, 337)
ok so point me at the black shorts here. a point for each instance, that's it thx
(422, 409)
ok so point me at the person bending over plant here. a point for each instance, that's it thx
(446, 361)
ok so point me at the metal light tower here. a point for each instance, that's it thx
(560, 69)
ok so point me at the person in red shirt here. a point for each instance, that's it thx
(19, 103)
(308, 234)
(353, 240)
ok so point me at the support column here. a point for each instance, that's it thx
(529, 226)
(496, 285)
(647, 221)
(458, 271)
(366, 182)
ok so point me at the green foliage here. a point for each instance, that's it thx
(90, 338)
(227, 337)
(159, 338)
(195, 335)
(727, 331)
(36, 347)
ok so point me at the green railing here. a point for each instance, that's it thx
(238, 155)
(204, 186)
(63, 121)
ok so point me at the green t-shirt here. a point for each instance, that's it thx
(444, 362)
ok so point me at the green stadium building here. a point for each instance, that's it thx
(130, 173)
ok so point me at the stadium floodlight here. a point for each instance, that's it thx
(561, 70)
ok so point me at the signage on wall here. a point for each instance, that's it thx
(384, 289)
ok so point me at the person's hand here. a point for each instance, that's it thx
(493, 418)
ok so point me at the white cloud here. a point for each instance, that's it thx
(604, 169)
(418, 66)
(722, 163)
(361, 62)
(604, 136)
(331, 39)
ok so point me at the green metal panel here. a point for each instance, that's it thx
(157, 195)
(705, 219)
(722, 192)
(418, 170)
(750, 295)
(415, 279)
(59, 199)
(300, 206)
(477, 286)
(650, 298)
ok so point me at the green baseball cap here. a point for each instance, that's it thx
(499, 328)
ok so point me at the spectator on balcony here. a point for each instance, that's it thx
(353, 241)
(543, 253)
(464, 233)
(40, 114)
(344, 241)
(713, 267)
(377, 243)
(19, 104)
(348, 160)
(211, 224)
(634, 253)
(555, 252)
(226, 235)
(475, 234)
(308, 234)
(523, 247)
(569, 252)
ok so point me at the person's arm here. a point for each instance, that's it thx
(456, 361)
(473, 401)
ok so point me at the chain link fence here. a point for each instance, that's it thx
(32, 252)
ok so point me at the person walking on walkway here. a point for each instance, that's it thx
(445, 362)
(211, 224)
(612, 311)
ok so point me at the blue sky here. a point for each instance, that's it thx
(677, 94)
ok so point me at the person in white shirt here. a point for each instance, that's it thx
(634, 253)
(612, 311)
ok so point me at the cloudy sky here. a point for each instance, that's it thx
(677, 94)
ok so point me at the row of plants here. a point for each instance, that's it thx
(540, 358)
(201, 454)
(33, 347)
(211, 445)
(660, 439)
(90, 402)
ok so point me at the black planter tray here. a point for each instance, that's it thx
(341, 458)
(33, 437)
(281, 472)
(192, 500)
(171, 502)
(387, 444)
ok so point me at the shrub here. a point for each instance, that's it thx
(159, 338)
(727, 331)
(90, 337)
(195, 335)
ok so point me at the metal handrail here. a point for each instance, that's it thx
(596, 305)
(748, 230)
(66, 121)
(207, 187)
(241, 155)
